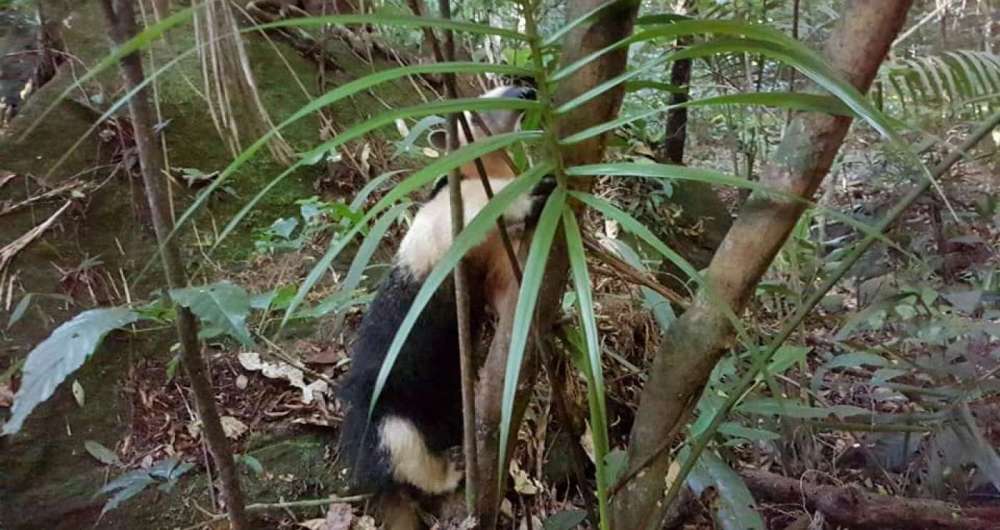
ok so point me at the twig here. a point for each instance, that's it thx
(10, 250)
(462, 297)
(268, 506)
(72, 186)
(276, 351)
(121, 22)
(632, 274)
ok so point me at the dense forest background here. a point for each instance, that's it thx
(766, 293)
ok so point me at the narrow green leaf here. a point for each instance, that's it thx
(364, 256)
(595, 370)
(358, 203)
(642, 84)
(386, 19)
(19, 310)
(473, 234)
(653, 170)
(633, 225)
(139, 42)
(534, 269)
(355, 131)
(60, 355)
(795, 409)
(415, 181)
(557, 36)
(787, 100)
(120, 102)
(603, 87)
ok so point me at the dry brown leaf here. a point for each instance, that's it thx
(338, 517)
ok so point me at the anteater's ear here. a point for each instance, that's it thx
(438, 139)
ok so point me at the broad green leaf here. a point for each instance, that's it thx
(564, 520)
(615, 465)
(128, 486)
(60, 355)
(595, 370)
(166, 472)
(473, 234)
(386, 19)
(737, 509)
(222, 309)
(420, 178)
(252, 464)
(524, 311)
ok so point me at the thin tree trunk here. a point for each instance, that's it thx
(696, 341)
(677, 117)
(608, 27)
(672, 149)
(121, 20)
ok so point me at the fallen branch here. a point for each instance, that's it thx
(75, 186)
(855, 508)
(271, 506)
(10, 250)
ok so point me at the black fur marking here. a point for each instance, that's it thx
(522, 92)
(423, 387)
(439, 184)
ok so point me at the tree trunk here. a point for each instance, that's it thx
(611, 25)
(697, 340)
(121, 20)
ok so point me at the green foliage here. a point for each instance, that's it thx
(164, 475)
(951, 83)
(221, 307)
(737, 509)
(58, 356)
(962, 78)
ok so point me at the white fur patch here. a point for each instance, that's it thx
(412, 462)
(430, 237)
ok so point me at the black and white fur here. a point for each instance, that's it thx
(410, 441)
